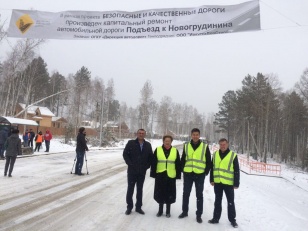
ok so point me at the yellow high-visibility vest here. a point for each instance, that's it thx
(164, 164)
(195, 159)
(223, 170)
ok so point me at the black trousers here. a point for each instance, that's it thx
(10, 161)
(30, 143)
(189, 179)
(37, 146)
(133, 180)
(229, 191)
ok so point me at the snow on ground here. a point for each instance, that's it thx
(44, 195)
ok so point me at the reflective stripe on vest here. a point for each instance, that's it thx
(223, 170)
(164, 164)
(195, 159)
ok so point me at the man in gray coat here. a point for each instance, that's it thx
(13, 148)
(3, 137)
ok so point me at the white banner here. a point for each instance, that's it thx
(159, 23)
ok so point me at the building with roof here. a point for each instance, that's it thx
(42, 115)
(58, 122)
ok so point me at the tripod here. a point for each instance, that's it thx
(85, 156)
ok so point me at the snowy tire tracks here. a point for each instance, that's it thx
(24, 209)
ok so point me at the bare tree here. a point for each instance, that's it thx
(18, 59)
(2, 31)
(164, 114)
(302, 85)
(110, 94)
(146, 94)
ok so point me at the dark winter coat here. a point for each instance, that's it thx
(236, 167)
(138, 161)
(13, 145)
(32, 135)
(207, 156)
(3, 135)
(81, 143)
(165, 187)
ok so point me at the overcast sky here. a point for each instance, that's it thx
(194, 70)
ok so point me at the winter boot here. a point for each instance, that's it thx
(160, 210)
(234, 224)
(168, 210)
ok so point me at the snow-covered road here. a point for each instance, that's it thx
(43, 195)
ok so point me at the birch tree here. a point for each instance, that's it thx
(18, 59)
(146, 94)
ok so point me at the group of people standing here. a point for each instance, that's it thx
(167, 166)
(39, 138)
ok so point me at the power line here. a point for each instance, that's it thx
(282, 14)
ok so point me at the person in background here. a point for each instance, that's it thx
(13, 148)
(138, 155)
(81, 148)
(39, 139)
(196, 163)
(225, 177)
(3, 137)
(31, 138)
(47, 138)
(165, 168)
(25, 138)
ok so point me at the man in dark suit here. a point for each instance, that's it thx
(138, 155)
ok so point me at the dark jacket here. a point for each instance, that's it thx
(208, 164)
(81, 143)
(3, 135)
(32, 135)
(13, 145)
(138, 161)
(235, 166)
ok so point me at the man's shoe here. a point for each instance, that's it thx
(128, 211)
(159, 214)
(10, 175)
(168, 215)
(139, 210)
(199, 219)
(182, 215)
(4, 174)
(80, 174)
(213, 221)
(234, 224)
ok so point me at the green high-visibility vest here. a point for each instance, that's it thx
(195, 159)
(223, 170)
(164, 164)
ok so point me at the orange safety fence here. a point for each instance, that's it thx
(260, 167)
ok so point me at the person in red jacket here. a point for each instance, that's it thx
(47, 138)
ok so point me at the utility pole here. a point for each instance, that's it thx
(120, 127)
(101, 121)
(248, 148)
